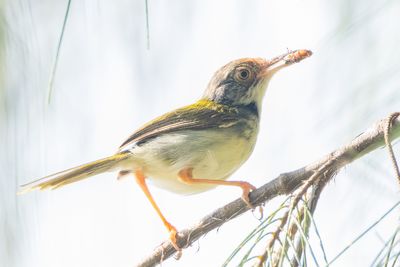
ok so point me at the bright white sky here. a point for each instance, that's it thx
(108, 84)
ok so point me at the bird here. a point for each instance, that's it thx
(196, 147)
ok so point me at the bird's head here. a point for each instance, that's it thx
(244, 81)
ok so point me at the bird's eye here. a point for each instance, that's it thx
(243, 74)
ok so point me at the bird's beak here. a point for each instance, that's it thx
(284, 60)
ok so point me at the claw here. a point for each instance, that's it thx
(247, 188)
(173, 233)
(122, 174)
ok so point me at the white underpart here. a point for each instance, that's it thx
(257, 93)
(213, 154)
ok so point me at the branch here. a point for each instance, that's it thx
(284, 184)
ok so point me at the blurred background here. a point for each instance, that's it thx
(114, 73)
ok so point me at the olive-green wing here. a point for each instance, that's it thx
(201, 115)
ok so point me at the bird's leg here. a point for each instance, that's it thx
(141, 180)
(186, 176)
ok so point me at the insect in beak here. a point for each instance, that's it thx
(283, 61)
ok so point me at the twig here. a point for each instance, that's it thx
(389, 122)
(323, 170)
(306, 214)
(284, 184)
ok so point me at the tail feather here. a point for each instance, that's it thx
(73, 175)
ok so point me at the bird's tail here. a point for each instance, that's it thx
(73, 175)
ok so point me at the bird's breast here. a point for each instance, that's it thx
(212, 153)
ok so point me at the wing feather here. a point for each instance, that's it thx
(202, 114)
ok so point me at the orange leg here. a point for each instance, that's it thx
(141, 180)
(186, 176)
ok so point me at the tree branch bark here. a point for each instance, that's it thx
(284, 184)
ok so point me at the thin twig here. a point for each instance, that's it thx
(322, 171)
(259, 232)
(290, 237)
(307, 218)
(390, 119)
(284, 184)
(317, 190)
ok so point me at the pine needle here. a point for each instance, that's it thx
(60, 41)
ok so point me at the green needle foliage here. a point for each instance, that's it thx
(2, 59)
(60, 41)
(293, 246)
